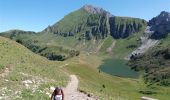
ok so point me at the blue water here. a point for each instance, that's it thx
(118, 67)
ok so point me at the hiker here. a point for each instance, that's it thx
(58, 94)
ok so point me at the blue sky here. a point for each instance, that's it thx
(35, 15)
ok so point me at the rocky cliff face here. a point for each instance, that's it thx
(122, 27)
(160, 25)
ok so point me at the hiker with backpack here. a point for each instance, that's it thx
(58, 94)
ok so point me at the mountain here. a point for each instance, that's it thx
(86, 29)
(96, 23)
(156, 61)
(160, 25)
(88, 19)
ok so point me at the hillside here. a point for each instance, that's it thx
(155, 62)
(32, 75)
(25, 75)
(86, 29)
(41, 47)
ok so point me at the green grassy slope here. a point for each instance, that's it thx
(18, 64)
(108, 87)
(43, 40)
(72, 22)
(39, 43)
(155, 63)
(122, 47)
(91, 81)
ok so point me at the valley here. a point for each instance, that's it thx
(108, 57)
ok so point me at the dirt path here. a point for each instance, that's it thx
(71, 92)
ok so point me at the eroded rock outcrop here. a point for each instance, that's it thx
(122, 27)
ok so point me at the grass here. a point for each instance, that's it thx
(121, 49)
(165, 41)
(92, 81)
(109, 87)
(2, 68)
(72, 21)
(107, 43)
(20, 60)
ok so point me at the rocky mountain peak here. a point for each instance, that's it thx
(93, 9)
(165, 16)
(162, 18)
(160, 25)
(96, 10)
(164, 13)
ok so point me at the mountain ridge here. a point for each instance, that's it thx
(96, 22)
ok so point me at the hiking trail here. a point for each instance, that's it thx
(71, 91)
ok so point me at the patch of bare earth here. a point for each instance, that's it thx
(109, 50)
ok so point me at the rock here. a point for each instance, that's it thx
(48, 94)
(27, 82)
(122, 27)
(27, 85)
(96, 10)
(48, 29)
(52, 89)
(147, 98)
(160, 25)
(146, 43)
